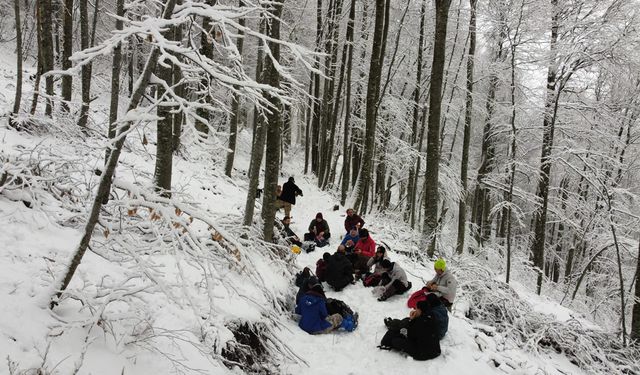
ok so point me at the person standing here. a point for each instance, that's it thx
(287, 197)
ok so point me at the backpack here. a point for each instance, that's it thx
(335, 306)
(372, 280)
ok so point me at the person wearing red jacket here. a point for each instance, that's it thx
(366, 245)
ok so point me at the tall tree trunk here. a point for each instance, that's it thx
(635, 317)
(105, 181)
(272, 162)
(542, 194)
(46, 44)
(179, 89)
(347, 107)
(464, 163)
(87, 39)
(433, 137)
(235, 107)
(67, 50)
(206, 49)
(317, 105)
(115, 79)
(164, 125)
(18, 96)
(373, 91)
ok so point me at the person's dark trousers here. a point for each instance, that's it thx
(446, 303)
(396, 288)
(396, 324)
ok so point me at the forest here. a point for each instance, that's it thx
(500, 134)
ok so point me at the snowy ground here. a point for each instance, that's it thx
(37, 242)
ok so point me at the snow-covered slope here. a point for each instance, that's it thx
(151, 298)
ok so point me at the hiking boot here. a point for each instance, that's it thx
(382, 298)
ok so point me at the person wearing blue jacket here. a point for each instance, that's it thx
(350, 240)
(313, 310)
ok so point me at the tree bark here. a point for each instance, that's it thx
(105, 181)
(115, 80)
(464, 163)
(373, 91)
(317, 105)
(67, 51)
(87, 39)
(347, 106)
(272, 163)
(46, 44)
(18, 96)
(542, 194)
(433, 137)
(206, 49)
(635, 317)
(235, 108)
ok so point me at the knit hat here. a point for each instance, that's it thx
(319, 215)
(363, 233)
(291, 179)
(440, 264)
(326, 257)
(386, 264)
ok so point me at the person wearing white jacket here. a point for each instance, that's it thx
(394, 280)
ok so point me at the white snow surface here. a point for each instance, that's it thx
(36, 244)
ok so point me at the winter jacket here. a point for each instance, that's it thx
(397, 273)
(321, 270)
(289, 191)
(348, 237)
(422, 334)
(352, 221)
(377, 269)
(321, 226)
(313, 309)
(447, 286)
(339, 271)
(441, 316)
(367, 245)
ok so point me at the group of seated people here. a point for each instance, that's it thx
(358, 258)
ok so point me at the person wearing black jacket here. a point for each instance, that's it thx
(419, 336)
(287, 197)
(339, 271)
(288, 234)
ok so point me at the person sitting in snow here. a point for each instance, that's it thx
(352, 220)
(436, 309)
(288, 234)
(350, 240)
(287, 196)
(304, 281)
(315, 318)
(394, 280)
(443, 284)
(339, 271)
(419, 336)
(318, 231)
(321, 267)
(374, 278)
(365, 245)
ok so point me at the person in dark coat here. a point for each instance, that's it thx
(339, 271)
(318, 231)
(419, 337)
(287, 197)
(352, 220)
(321, 266)
(288, 234)
(315, 318)
(436, 308)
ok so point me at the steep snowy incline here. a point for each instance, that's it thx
(465, 349)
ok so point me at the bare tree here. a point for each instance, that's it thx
(67, 51)
(235, 109)
(18, 96)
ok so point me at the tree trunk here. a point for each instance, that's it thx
(635, 317)
(373, 90)
(542, 194)
(18, 96)
(235, 108)
(115, 79)
(347, 106)
(179, 89)
(46, 44)
(317, 105)
(464, 164)
(433, 137)
(105, 181)
(272, 162)
(67, 50)
(87, 39)
(206, 49)
(164, 126)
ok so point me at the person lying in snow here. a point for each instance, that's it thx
(318, 231)
(373, 279)
(394, 281)
(352, 220)
(419, 336)
(436, 309)
(339, 271)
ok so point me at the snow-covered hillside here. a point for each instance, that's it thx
(169, 285)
